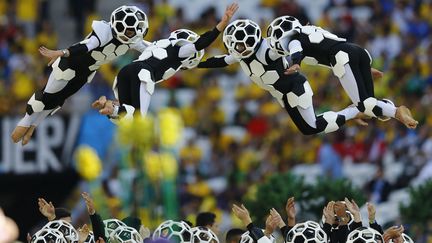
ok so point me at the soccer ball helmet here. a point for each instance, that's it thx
(246, 238)
(48, 235)
(68, 231)
(111, 225)
(185, 36)
(241, 38)
(406, 239)
(202, 234)
(365, 235)
(308, 231)
(90, 238)
(125, 234)
(129, 24)
(280, 28)
(177, 231)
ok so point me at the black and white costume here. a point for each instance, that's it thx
(136, 82)
(349, 62)
(293, 92)
(71, 73)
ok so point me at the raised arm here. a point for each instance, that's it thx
(208, 37)
(96, 221)
(218, 62)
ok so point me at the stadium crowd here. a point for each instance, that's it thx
(237, 134)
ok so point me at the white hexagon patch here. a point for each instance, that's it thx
(270, 77)
(369, 105)
(256, 68)
(145, 55)
(36, 105)
(109, 49)
(342, 58)
(310, 60)
(68, 74)
(121, 50)
(160, 53)
(278, 95)
(97, 55)
(330, 117)
(163, 43)
(145, 76)
(169, 73)
(245, 68)
(316, 37)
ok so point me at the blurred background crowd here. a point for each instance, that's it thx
(231, 134)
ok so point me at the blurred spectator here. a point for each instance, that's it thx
(330, 161)
(378, 188)
(207, 219)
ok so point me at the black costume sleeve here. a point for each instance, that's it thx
(377, 227)
(297, 57)
(206, 39)
(355, 225)
(77, 49)
(213, 62)
(98, 227)
(341, 234)
(285, 230)
(255, 232)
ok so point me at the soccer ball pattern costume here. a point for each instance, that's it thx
(68, 231)
(111, 225)
(241, 37)
(202, 234)
(47, 235)
(365, 235)
(177, 231)
(308, 231)
(266, 69)
(125, 234)
(349, 62)
(101, 46)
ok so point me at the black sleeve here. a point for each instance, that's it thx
(377, 227)
(297, 57)
(285, 231)
(341, 234)
(213, 62)
(77, 49)
(98, 227)
(206, 39)
(255, 232)
(355, 225)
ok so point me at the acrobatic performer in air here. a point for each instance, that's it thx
(349, 62)
(266, 68)
(135, 83)
(75, 66)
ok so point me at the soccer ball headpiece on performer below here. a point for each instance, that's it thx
(182, 37)
(279, 29)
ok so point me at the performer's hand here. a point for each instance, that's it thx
(83, 233)
(242, 213)
(89, 203)
(229, 12)
(46, 209)
(376, 73)
(371, 212)
(354, 209)
(329, 213)
(100, 103)
(108, 108)
(293, 69)
(290, 211)
(51, 54)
